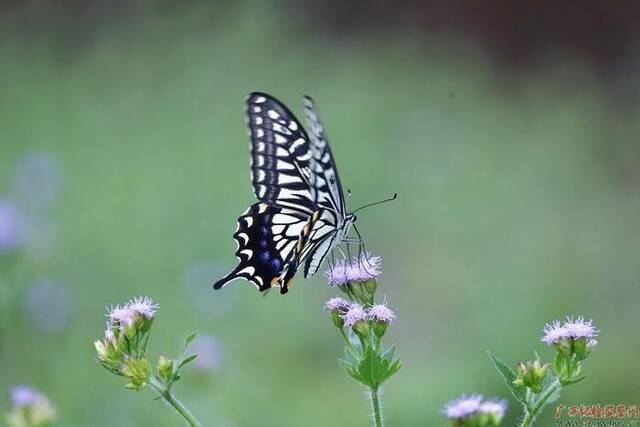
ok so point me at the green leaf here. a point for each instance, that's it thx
(190, 338)
(186, 360)
(390, 353)
(509, 376)
(573, 380)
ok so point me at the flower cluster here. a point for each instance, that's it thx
(362, 322)
(573, 339)
(532, 383)
(356, 277)
(358, 318)
(475, 411)
(29, 408)
(123, 350)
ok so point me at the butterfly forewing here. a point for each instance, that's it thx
(326, 189)
(280, 156)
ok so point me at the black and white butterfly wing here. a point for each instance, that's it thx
(326, 189)
(266, 237)
(280, 155)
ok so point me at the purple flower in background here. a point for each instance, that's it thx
(496, 407)
(23, 395)
(48, 305)
(209, 351)
(36, 180)
(554, 332)
(361, 269)
(381, 313)
(11, 226)
(463, 407)
(355, 314)
(580, 328)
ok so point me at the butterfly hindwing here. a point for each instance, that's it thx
(280, 156)
(266, 236)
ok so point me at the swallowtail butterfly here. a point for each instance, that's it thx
(301, 214)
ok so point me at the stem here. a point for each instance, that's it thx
(532, 412)
(166, 394)
(375, 404)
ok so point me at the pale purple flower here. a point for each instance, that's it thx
(381, 313)
(355, 314)
(361, 269)
(120, 315)
(143, 306)
(11, 226)
(23, 395)
(554, 332)
(337, 304)
(463, 407)
(496, 407)
(209, 351)
(580, 328)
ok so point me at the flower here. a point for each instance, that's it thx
(338, 304)
(554, 332)
(381, 313)
(119, 315)
(579, 328)
(29, 408)
(496, 407)
(144, 306)
(463, 407)
(23, 395)
(355, 314)
(359, 269)
(11, 227)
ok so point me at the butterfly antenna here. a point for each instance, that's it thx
(390, 199)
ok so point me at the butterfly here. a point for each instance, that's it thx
(301, 214)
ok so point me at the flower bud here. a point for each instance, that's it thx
(137, 371)
(564, 347)
(165, 368)
(531, 375)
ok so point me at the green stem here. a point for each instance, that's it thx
(532, 412)
(348, 342)
(375, 404)
(166, 394)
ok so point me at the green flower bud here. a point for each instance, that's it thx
(564, 347)
(137, 371)
(531, 374)
(165, 368)
(362, 329)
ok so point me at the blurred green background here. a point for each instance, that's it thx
(123, 153)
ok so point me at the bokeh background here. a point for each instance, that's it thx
(509, 130)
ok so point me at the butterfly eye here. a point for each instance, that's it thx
(354, 218)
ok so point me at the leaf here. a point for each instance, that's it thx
(190, 338)
(573, 380)
(509, 376)
(390, 353)
(186, 360)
